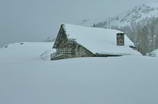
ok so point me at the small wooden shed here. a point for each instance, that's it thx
(80, 41)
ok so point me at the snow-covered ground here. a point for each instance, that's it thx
(25, 78)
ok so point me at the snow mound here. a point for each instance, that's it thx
(153, 53)
(25, 51)
(46, 54)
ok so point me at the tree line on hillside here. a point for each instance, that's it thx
(144, 34)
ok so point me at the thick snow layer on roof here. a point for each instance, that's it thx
(98, 40)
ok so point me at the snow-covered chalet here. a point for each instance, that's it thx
(80, 41)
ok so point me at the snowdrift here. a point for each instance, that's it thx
(27, 79)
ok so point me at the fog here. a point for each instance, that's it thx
(35, 20)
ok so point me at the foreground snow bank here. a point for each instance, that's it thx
(26, 51)
(26, 79)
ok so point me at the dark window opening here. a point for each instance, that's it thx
(120, 39)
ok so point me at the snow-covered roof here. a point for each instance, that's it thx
(98, 40)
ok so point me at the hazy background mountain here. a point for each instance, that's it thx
(35, 20)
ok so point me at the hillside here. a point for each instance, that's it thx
(138, 13)
(28, 79)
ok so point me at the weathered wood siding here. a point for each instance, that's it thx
(80, 51)
(68, 48)
(61, 37)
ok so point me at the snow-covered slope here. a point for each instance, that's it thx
(24, 52)
(138, 13)
(153, 53)
(27, 79)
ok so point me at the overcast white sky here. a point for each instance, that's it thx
(34, 20)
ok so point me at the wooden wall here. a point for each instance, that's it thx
(70, 49)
